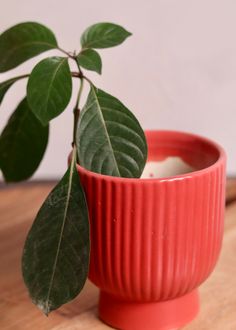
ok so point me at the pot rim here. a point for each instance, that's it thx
(220, 161)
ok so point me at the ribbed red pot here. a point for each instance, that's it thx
(154, 241)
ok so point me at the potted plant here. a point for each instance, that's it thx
(147, 243)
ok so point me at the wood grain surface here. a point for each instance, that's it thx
(18, 207)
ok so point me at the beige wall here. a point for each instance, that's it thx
(177, 71)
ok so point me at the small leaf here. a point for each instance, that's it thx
(109, 138)
(56, 253)
(22, 42)
(22, 144)
(103, 35)
(5, 85)
(49, 88)
(89, 59)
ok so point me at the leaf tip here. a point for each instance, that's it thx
(43, 306)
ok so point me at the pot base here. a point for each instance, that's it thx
(165, 315)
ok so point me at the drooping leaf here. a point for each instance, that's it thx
(22, 42)
(5, 85)
(103, 35)
(90, 59)
(49, 88)
(109, 138)
(56, 253)
(22, 144)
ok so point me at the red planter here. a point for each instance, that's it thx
(154, 241)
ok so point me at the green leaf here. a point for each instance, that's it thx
(49, 88)
(109, 138)
(22, 144)
(103, 35)
(22, 42)
(56, 253)
(89, 59)
(5, 85)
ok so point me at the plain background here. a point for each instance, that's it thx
(177, 71)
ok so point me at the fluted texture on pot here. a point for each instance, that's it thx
(156, 239)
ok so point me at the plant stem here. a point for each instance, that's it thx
(75, 74)
(19, 77)
(65, 52)
(77, 110)
(88, 80)
(23, 76)
(80, 91)
(80, 75)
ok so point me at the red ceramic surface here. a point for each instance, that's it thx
(154, 241)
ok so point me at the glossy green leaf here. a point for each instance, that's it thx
(109, 138)
(90, 59)
(56, 253)
(103, 35)
(22, 144)
(49, 88)
(22, 42)
(5, 85)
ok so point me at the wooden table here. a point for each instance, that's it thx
(18, 207)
